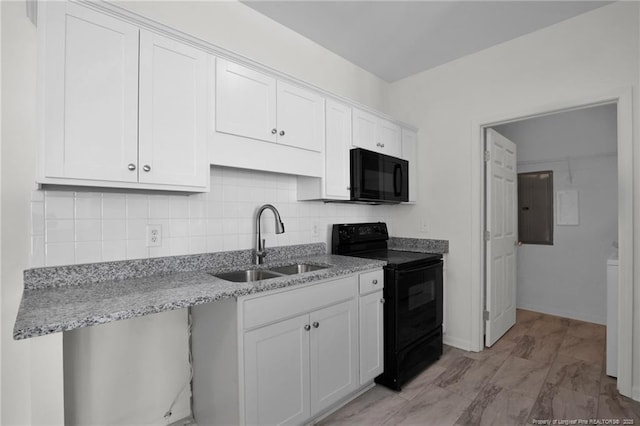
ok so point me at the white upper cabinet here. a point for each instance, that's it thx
(254, 105)
(91, 95)
(334, 185)
(121, 107)
(173, 112)
(376, 134)
(410, 153)
(245, 102)
(300, 117)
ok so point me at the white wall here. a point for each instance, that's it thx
(32, 369)
(568, 278)
(587, 55)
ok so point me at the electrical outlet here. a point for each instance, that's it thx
(154, 235)
(423, 226)
(315, 230)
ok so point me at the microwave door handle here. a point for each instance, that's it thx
(397, 191)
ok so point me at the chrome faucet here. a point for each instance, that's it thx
(260, 246)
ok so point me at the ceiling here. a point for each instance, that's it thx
(396, 39)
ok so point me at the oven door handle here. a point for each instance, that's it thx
(422, 268)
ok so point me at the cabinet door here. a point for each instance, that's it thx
(245, 102)
(90, 93)
(334, 354)
(173, 112)
(338, 144)
(371, 335)
(365, 127)
(276, 373)
(300, 117)
(390, 138)
(410, 153)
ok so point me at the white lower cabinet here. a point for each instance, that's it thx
(371, 335)
(282, 358)
(276, 371)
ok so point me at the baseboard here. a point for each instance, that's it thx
(580, 316)
(457, 343)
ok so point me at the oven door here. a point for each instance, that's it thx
(418, 303)
(378, 178)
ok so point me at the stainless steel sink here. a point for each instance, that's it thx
(248, 275)
(298, 268)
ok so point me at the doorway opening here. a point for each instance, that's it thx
(620, 101)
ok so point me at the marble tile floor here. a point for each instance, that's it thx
(543, 368)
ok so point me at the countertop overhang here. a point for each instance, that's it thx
(66, 298)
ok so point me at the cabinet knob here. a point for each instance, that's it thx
(307, 327)
(131, 166)
(274, 131)
(281, 132)
(348, 188)
(374, 282)
(382, 300)
(316, 324)
(381, 145)
(378, 144)
(146, 168)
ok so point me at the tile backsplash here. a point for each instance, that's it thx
(70, 227)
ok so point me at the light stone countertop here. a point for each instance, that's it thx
(65, 298)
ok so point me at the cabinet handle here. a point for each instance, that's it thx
(274, 131)
(374, 282)
(382, 300)
(131, 166)
(281, 132)
(146, 168)
(307, 327)
(316, 324)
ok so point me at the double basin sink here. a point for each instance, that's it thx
(250, 275)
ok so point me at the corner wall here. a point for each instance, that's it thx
(584, 56)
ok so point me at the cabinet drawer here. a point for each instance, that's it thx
(371, 281)
(264, 310)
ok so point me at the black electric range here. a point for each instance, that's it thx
(413, 299)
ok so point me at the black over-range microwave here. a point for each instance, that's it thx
(378, 178)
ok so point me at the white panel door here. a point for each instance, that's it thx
(337, 146)
(91, 93)
(173, 112)
(334, 354)
(245, 102)
(276, 373)
(390, 138)
(502, 225)
(371, 337)
(410, 153)
(300, 117)
(365, 128)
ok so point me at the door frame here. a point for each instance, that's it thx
(623, 98)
